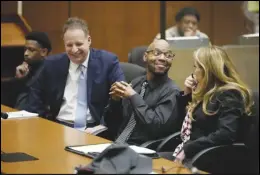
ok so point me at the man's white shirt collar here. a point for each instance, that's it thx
(74, 66)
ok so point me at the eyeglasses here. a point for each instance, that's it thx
(157, 52)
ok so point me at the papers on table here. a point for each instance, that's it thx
(91, 148)
(142, 150)
(98, 148)
(21, 114)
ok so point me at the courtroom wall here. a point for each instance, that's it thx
(120, 26)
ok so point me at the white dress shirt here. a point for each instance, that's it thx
(68, 108)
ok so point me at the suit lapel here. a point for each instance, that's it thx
(63, 73)
(92, 71)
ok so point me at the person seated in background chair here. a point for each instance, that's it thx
(147, 108)
(187, 21)
(131, 71)
(218, 103)
(37, 47)
(75, 85)
(135, 56)
(251, 12)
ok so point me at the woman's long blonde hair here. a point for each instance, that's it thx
(219, 74)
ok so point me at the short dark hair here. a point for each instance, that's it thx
(187, 11)
(76, 23)
(41, 37)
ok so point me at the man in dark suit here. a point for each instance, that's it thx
(75, 85)
(37, 47)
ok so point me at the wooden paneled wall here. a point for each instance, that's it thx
(228, 22)
(120, 26)
(47, 16)
(8, 7)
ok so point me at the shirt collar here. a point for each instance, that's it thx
(85, 63)
(74, 66)
(157, 81)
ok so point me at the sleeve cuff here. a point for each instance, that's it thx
(136, 100)
(186, 97)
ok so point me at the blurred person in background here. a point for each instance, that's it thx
(187, 24)
(251, 11)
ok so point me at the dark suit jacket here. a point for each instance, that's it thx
(15, 92)
(225, 127)
(103, 70)
(25, 83)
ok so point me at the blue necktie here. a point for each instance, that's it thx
(81, 111)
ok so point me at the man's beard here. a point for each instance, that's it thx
(152, 70)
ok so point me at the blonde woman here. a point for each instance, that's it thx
(217, 101)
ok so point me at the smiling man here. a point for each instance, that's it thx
(75, 85)
(147, 108)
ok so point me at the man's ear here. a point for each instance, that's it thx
(89, 40)
(145, 57)
(44, 52)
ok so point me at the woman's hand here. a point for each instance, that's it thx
(190, 84)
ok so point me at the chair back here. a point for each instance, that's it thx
(169, 143)
(132, 71)
(10, 90)
(135, 56)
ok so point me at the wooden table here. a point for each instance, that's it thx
(46, 140)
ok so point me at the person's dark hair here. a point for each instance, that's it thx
(187, 11)
(41, 37)
(76, 23)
